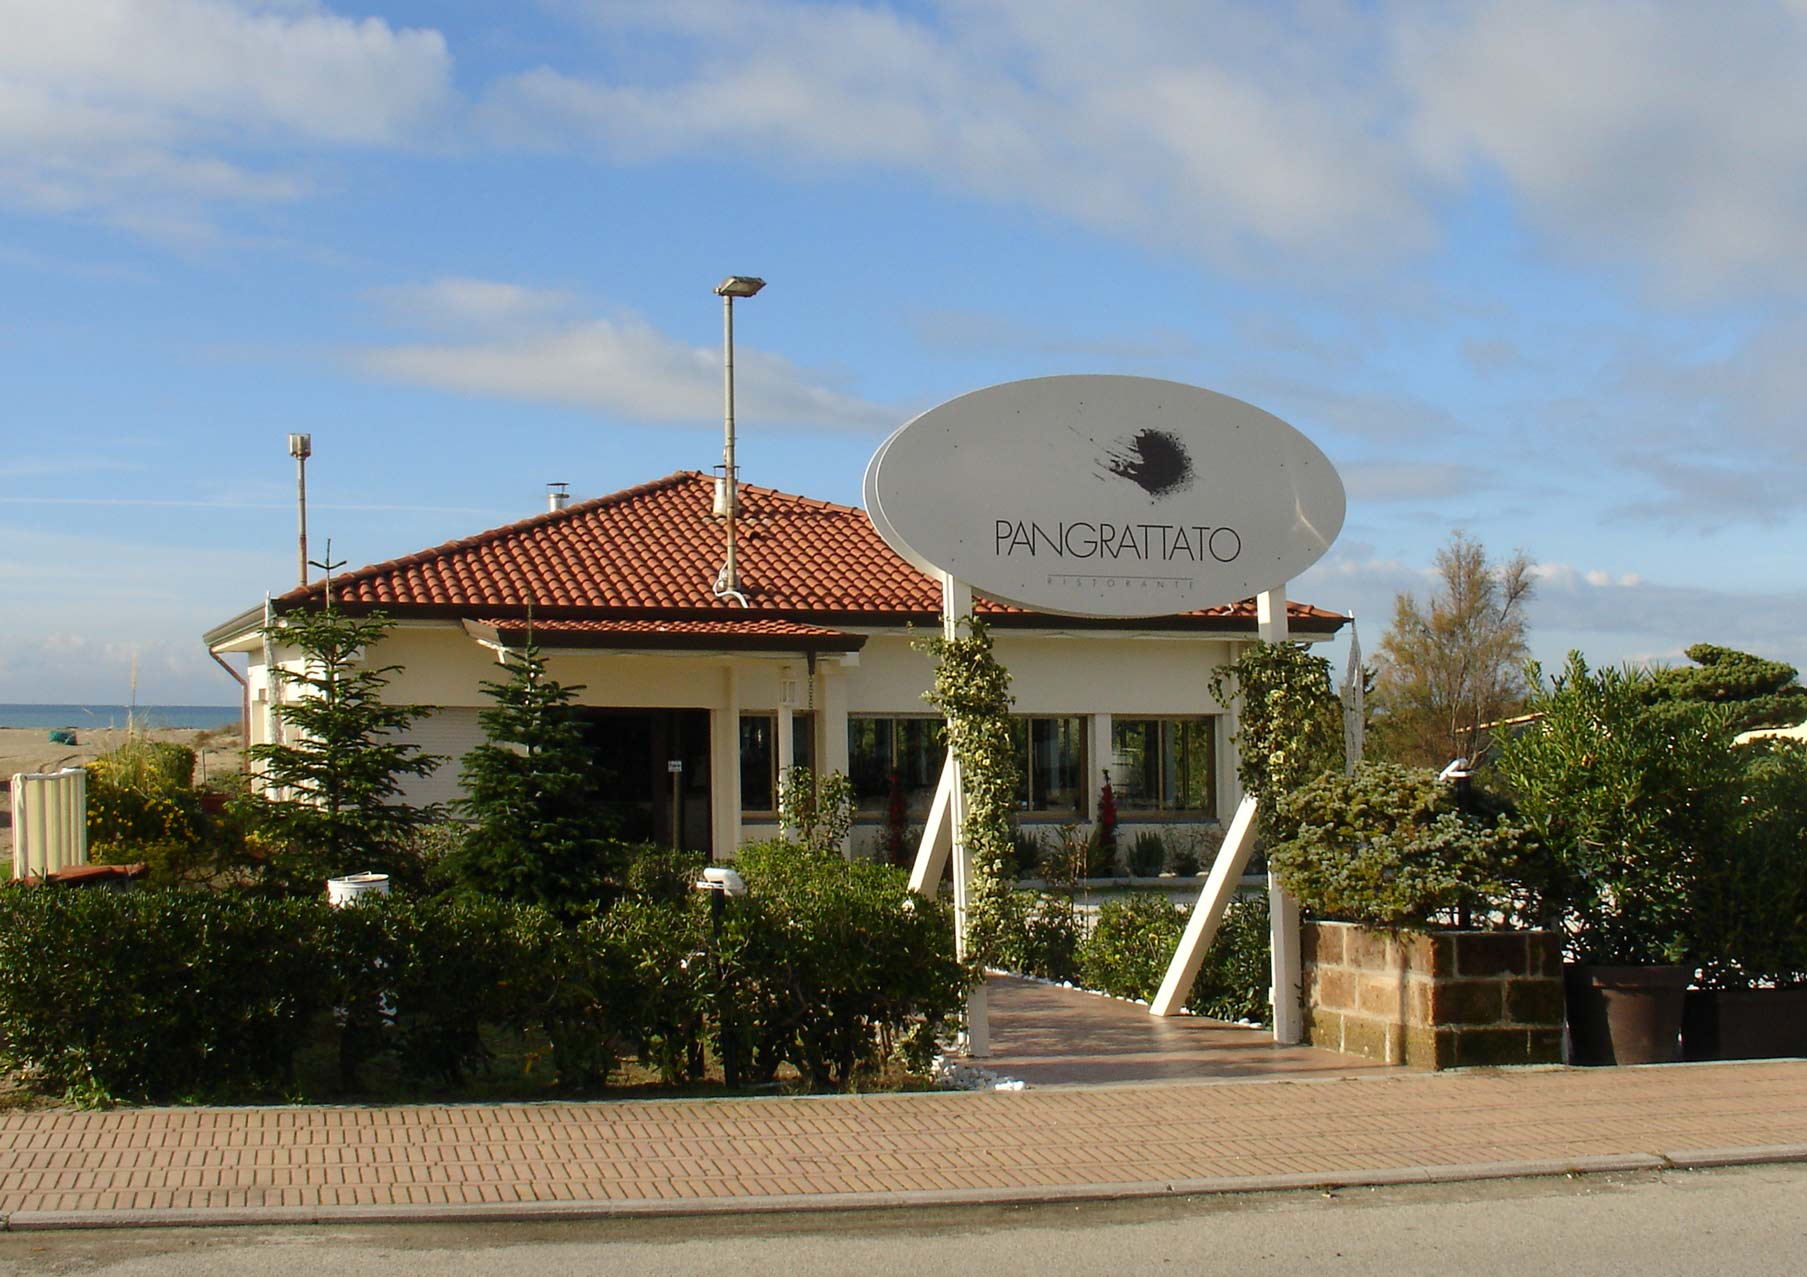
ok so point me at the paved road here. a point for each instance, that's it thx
(1733, 1220)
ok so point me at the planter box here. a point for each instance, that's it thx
(1436, 1000)
(1744, 1024)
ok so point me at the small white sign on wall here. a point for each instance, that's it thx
(1105, 496)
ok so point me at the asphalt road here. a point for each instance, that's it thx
(1737, 1220)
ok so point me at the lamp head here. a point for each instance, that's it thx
(739, 286)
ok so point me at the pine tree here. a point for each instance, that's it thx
(538, 834)
(333, 787)
(1758, 692)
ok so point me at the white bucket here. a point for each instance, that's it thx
(354, 887)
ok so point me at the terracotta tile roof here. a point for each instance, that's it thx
(656, 549)
(740, 631)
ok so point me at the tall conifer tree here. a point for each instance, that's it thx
(538, 833)
(335, 784)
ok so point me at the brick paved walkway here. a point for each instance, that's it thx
(214, 1165)
(1050, 1036)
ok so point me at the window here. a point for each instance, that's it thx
(1050, 754)
(759, 757)
(1166, 766)
(876, 747)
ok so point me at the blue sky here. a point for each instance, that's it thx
(1535, 271)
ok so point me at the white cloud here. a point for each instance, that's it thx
(968, 331)
(1671, 136)
(1390, 481)
(457, 302)
(521, 345)
(152, 108)
(1297, 138)
(1612, 616)
(1227, 128)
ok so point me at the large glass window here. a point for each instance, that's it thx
(759, 757)
(1050, 755)
(879, 746)
(1165, 765)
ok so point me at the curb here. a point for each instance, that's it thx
(544, 1212)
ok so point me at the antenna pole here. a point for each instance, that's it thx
(301, 447)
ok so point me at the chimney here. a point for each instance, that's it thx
(558, 496)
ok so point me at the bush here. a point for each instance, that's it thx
(1147, 854)
(837, 963)
(1389, 847)
(1029, 849)
(655, 950)
(1041, 937)
(157, 993)
(148, 766)
(1748, 916)
(1633, 807)
(1134, 940)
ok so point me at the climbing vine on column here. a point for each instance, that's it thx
(1290, 729)
(972, 692)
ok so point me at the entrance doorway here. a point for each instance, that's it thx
(635, 749)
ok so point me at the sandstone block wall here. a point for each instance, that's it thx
(1434, 1000)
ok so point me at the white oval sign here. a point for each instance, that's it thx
(1105, 496)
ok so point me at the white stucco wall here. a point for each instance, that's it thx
(1096, 674)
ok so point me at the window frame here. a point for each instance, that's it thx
(798, 718)
(1163, 811)
(1026, 760)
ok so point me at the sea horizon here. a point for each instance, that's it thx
(97, 717)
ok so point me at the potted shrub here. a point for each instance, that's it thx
(1631, 802)
(1749, 916)
(1412, 952)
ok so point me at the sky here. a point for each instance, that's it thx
(1532, 271)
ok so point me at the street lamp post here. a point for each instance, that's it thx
(727, 585)
(721, 883)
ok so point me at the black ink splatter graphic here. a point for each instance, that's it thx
(1153, 460)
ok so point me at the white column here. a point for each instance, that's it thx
(831, 707)
(1098, 747)
(787, 754)
(724, 768)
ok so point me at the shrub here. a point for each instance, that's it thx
(1101, 854)
(666, 875)
(1134, 940)
(148, 766)
(1029, 850)
(1041, 937)
(156, 993)
(1147, 854)
(1389, 847)
(656, 949)
(837, 963)
(1632, 806)
(1748, 914)
(419, 980)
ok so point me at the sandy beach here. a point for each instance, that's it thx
(23, 749)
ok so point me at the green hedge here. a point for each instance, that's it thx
(157, 993)
(186, 993)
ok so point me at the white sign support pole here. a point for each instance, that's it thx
(1288, 988)
(937, 834)
(957, 606)
(1213, 902)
